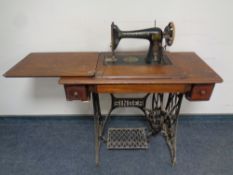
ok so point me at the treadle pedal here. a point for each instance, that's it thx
(127, 138)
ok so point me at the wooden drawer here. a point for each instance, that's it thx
(200, 92)
(77, 92)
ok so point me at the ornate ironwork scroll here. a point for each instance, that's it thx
(118, 102)
(128, 102)
(154, 116)
(170, 122)
(164, 119)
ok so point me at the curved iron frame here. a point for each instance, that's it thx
(161, 118)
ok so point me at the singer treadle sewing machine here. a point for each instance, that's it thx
(155, 52)
(164, 77)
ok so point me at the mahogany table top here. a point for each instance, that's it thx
(89, 68)
(55, 65)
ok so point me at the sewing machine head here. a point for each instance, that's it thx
(154, 35)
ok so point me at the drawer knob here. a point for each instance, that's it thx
(75, 93)
(203, 92)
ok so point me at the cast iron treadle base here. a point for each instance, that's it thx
(127, 138)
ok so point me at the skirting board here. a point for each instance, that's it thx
(124, 117)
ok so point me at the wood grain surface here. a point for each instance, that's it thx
(55, 65)
(142, 88)
(89, 68)
(133, 71)
(86, 71)
(186, 68)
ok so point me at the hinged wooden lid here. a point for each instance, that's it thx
(55, 65)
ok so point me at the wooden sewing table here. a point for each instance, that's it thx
(85, 73)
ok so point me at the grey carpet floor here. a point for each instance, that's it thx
(65, 146)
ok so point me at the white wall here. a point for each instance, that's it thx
(203, 26)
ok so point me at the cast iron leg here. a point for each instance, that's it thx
(170, 123)
(164, 119)
(170, 136)
(97, 125)
(161, 119)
